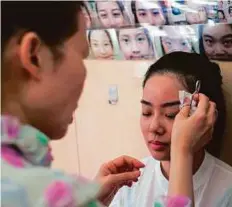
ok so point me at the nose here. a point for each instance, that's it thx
(156, 127)
(112, 21)
(134, 48)
(153, 18)
(218, 48)
(102, 50)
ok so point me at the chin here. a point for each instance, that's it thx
(58, 133)
(160, 156)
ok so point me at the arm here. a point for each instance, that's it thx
(180, 181)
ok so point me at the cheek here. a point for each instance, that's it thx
(144, 47)
(109, 49)
(144, 125)
(126, 49)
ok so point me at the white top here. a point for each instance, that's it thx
(211, 184)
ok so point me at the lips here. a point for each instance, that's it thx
(158, 146)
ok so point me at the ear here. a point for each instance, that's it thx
(29, 53)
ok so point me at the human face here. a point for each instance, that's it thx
(134, 44)
(50, 101)
(176, 44)
(100, 45)
(217, 42)
(160, 104)
(110, 14)
(149, 12)
(199, 17)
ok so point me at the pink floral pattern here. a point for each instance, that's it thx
(11, 157)
(59, 194)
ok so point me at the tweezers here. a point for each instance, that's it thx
(197, 90)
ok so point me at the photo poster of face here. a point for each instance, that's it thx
(110, 14)
(103, 45)
(225, 11)
(105, 14)
(215, 41)
(176, 38)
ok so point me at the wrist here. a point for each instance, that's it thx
(183, 149)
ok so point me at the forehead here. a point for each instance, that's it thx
(131, 32)
(217, 31)
(98, 35)
(156, 92)
(107, 5)
(146, 5)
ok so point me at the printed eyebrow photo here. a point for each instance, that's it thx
(103, 44)
(151, 12)
(215, 41)
(135, 43)
(178, 38)
(112, 14)
(225, 11)
(196, 13)
(212, 11)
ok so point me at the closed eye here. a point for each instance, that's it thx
(171, 116)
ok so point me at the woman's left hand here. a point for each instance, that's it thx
(122, 171)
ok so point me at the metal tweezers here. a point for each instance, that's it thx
(197, 89)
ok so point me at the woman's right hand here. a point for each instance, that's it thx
(191, 133)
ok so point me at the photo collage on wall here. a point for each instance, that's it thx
(149, 29)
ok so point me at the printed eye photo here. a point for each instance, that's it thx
(215, 41)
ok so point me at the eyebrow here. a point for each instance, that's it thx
(227, 36)
(115, 9)
(141, 9)
(209, 36)
(164, 105)
(102, 10)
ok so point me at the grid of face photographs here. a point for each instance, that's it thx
(149, 29)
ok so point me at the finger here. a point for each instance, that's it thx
(118, 179)
(203, 104)
(111, 167)
(128, 162)
(185, 110)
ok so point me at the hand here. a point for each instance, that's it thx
(115, 174)
(194, 132)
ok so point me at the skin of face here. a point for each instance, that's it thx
(149, 14)
(100, 45)
(48, 99)
(176, 44)
(134, 44)
(160, 104)
(217, 41)
(197, 18)
(110, 14)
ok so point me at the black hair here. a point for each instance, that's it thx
(107, 33)
(53, 21)
(133, 9)
(230, 9)
(87, 10)
(188, 68)
(222, 12)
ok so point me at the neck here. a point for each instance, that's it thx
(198, 160)
(13, 108)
